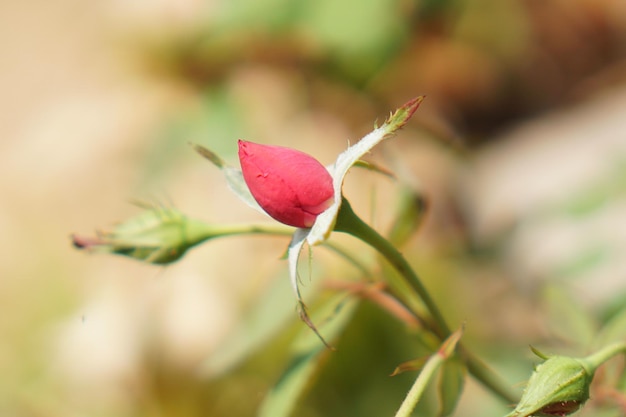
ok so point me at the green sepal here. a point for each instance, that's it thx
(558, 386)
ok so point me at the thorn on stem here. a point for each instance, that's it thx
(304, 316)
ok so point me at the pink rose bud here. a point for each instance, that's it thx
(291, 186)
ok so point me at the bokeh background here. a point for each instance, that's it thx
(519, 151)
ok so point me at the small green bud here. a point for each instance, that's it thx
(158, 235)
(558, 387)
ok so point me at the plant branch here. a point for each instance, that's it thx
(349, 222)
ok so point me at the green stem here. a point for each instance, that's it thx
(417, 389)
(487, 376)
(280, 230)
(428, 372)
(598, 358)
(349, 222)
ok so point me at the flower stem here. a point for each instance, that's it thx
(427, 374)
(598, 358)
(487, 376)
(278, 230)
(349, 222)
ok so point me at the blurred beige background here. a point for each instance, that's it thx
(76, 115)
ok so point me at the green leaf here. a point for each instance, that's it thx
(451, 383)
(243, 16)
(613, 331)
(304, 363)
(409, 217)
(282, 399)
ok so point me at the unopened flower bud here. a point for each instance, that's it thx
(158, 235)
(558, 387)
(291, 186)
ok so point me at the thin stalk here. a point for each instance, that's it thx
(603, 355)
(349, 222)
(280, 230)
(487, 376)
(427, 373)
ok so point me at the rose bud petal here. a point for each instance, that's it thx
(291, 186)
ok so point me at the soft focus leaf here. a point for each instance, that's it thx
(245, 14)
(591, 257)
(307, 350)
(360, 35)
(567, 318)
(451, 383)
(596, 196)
(613, 331)
(410, 214)
(271, 313)
(282, 399)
